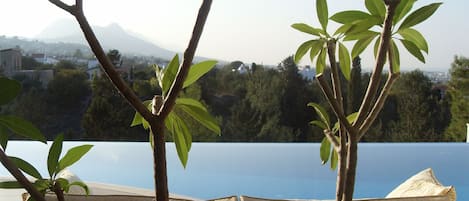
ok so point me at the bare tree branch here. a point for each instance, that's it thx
(334, 104)
(330, 136)
(375, 79)
(187, 62)
(105, 62)
(19, 176)
(380, 101)
(63, 6)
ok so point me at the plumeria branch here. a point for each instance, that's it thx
(392, 77)
(375, 79)
(334, 104)
(19, 176)
(106, 64)
(170, 100)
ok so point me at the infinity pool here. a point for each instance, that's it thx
(275, 170)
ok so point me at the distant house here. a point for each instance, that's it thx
(44, 76)
(10, 61)
(93, 69)
(44, 59)
(39, 57)
(307, 73)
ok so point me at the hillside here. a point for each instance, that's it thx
(112, 37)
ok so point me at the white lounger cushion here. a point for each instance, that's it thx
(423, 183)
(421, 198)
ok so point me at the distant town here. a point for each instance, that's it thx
(11, 64)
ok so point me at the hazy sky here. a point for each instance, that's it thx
(247, 30)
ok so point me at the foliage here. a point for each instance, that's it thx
(69, 88)
(108, 114)
(458, 91)
(417, 109)
(8, 123)
(54, 165)
(391, 20)
(191, 107)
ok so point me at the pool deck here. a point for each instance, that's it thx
(96, 188)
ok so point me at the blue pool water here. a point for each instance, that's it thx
(274, 170)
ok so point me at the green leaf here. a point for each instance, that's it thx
(9, 90)
(198, 70)
(361, 45)
(54, 155)
(26, 167)
(376, 7)
(316, 47)
(301, 51)
(415, 37)
(321, 62)
(42, 184)
(73, 155)
(321, 113)
(322, 12)
(395, 57)
(174, 126)
(307, 29)
(361, 35)
(82, 185)
(159, 72)
(22, 127)
(10, 185)
(343, 29)
(138, 119)
(419, 15)
(3, 137)
(364, 25)
(64, 184)
(191, 102)
(351, 118)
(325, 150)
(344, 61)
(319, 124)
(350, 16)
(202, 116)
(181, 128)
(376, 46)
(413, 49)
(170, 74)
(402, 9)
(334, 159)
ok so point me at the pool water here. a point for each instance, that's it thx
(274, 170)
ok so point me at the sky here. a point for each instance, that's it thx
(246, 30)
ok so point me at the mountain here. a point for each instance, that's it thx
(111, 37)
(31, 46)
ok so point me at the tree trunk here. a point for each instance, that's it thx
(159, 157)
(342, 170)
(352, 155)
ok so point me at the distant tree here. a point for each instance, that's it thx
(69, 88)
(414, 107)
(29, 63)
(116, 57)
(293, 102)
(458, 91)
(78, 54)
(65, 64)
(108, 116)
(355, 89)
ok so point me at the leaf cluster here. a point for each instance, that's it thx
(10, 89)
(359, 27)
(193, 108)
